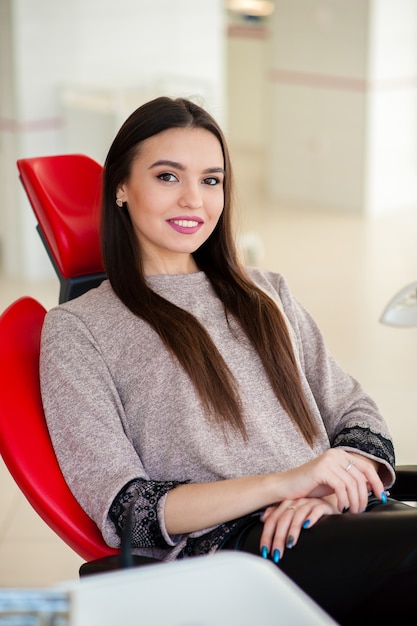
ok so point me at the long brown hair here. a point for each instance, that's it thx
(181, 332)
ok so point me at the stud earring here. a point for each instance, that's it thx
(119, 202)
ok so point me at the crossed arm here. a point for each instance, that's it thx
(333, 482)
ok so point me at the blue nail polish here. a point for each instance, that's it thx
(306, 523)
(290, 542)
(264, 552)
(383, 497)
(276, 556)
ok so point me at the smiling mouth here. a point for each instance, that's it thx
(186, 226)
(185, 223)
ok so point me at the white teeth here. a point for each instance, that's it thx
(186, 223)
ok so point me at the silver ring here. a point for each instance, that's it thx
(349, 466)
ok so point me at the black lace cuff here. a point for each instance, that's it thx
(216, 538)
(366, 440)
(139, 499)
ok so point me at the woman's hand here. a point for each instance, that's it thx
(334, 482)
(283, 523)
(350, 477)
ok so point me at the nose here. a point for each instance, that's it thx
(191, 196)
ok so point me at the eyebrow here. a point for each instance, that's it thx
(179, 166)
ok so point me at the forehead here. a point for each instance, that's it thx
(193, 145)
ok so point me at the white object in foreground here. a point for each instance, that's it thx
(226, 589)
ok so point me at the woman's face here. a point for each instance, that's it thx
(175, 197)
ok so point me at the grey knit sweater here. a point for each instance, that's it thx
(119, 407)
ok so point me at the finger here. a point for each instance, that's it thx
(352, 478)
(363, 473)
(289, 523)
(275, 531)
(355, 485)
(340, 491)
(300, 514)
(267, 513)
(374, 482)
(311, 513)
(362, 491)
(331, 475)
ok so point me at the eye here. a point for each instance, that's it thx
(211, 180)
(167, 177)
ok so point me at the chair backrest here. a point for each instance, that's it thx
(25, 444)
(65, 193)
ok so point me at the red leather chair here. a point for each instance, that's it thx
(64, 192)
(25, 444)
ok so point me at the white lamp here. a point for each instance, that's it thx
(252, 8)
(401, 310)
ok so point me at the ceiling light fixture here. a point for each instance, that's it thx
(251, 8)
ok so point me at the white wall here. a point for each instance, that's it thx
(92, 44)
(248, 51)
(391, 112)
(318, 65)
(344, 100)
(7, 131)
(330, 92)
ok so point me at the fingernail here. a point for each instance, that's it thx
(306, 523)
(264, 552)
(290, 542)
(276, 556)
(383, 497)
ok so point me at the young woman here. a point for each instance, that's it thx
(198, 397)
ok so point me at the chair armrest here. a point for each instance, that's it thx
(405, 486)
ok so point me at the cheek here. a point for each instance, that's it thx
(216, 205)
(220, 209)
(141, 205)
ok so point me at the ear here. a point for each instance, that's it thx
(121, 193)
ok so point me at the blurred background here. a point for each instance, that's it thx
(318, 99)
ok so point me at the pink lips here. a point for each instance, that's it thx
(186, 225)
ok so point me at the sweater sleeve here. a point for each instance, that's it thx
(88, 427)
(136, 507)
(350, 415)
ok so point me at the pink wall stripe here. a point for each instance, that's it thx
(9, 125)
(250, 31)
(341, 83)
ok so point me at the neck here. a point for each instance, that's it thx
(185, 265)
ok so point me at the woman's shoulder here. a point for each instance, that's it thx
(96, 306)
(271, 282)
(276, 287)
